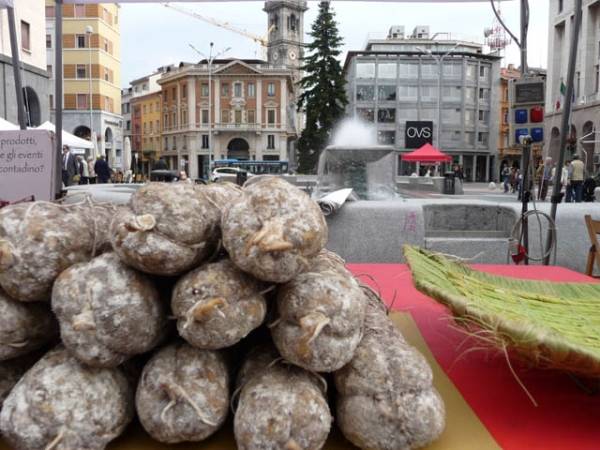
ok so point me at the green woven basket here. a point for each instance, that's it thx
(554, 325)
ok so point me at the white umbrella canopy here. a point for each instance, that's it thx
(5, 125)
(127, 154)
(67, 138)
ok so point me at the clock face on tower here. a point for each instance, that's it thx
(275, 55)
(292, 55)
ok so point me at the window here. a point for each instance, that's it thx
(157, 126)
(79, 10)
(271, 116)
(471, 69)
(204, 90)
(470, 95)
(469, 117)
(451, 116)
(483, 72)
(204, 116)
(166, 122)
(451, 93)
(251, 90)
(184, 120)
(225, 116)
(205, 141)
(237, 89)
(407, 92)
(107, 46)
(386, 115)
(408, 70)
(365, 93)
(429, 71)
(144, 109)
(145, 127)
(25, 39)
(49, 70)
(271, 141)
(482, 138)
(107, 77)
(166, 143)
(237, 116)
(81, 41)
(128, 125)
(183, 91)
(82, 101)
(386, 93)
(484, 94)
(469, 138)
(365, 70)
(81, 71)
(185, 139)
(151, 107)
(51, 99)
(271, 89)
(250, 116)
(452, 71)
(50, 11)
(174, 94)
(386, 71)
(386, 137)
(174, 146)
(597, 80)
(429, 93)
(560, 6)
(174, 120)
(225, 90)
(484, 116)
(366, 114)
(577, 84)
(48, 41)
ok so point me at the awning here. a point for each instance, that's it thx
(67, 138)
(428, 154)
(5, 125)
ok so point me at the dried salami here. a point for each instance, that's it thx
(38, 240)
(24, 326)
(183, 394)
(170, 228)
(217, 305)
(60, 404)
(320, 317)
(273, 229)
(107, 311)
(386, 399)
(280, 405)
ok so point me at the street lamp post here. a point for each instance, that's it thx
(439, 60)
(210, 60)
(88, 31)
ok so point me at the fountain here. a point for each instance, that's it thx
(355, 161)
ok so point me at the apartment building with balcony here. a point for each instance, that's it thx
(251, 114)
(31, 36)
(92, 73)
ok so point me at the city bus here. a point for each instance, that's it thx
(254, 167)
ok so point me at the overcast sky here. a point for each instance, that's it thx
(153, 35)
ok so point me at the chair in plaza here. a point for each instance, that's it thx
(593, 227)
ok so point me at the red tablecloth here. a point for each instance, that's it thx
(565, 418)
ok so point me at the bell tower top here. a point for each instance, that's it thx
(285, 29)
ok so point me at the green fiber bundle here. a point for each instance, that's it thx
(555, 325)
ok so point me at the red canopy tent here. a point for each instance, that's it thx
(427, 154)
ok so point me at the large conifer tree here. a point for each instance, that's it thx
(324, 95)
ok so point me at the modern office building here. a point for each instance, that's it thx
(396, 81)
(92, 73)
(31, 37)
(251, 116)
(585, 118)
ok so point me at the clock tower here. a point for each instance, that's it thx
(286, 33)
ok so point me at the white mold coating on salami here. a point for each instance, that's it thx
(38, 240)
(217, 305)
(273, 229)
(170, 229)
(183, 394)
(64, 405)
(24, 326)
(280, 407)
(107, 311)
(320, 320)
(386, 400)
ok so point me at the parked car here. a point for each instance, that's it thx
(228, 171)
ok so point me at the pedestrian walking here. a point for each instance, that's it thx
(102, 170)
(84, 171)
(91, 171)
(577, 176)
(505, 177)
(544, 176)
(69, 166)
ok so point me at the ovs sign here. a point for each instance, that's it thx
(417, 134)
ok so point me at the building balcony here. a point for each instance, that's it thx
(238, 127)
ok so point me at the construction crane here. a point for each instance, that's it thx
(261, 40)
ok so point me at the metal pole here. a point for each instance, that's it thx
(210, 110)
(556, 194)
(524, 27)
(14, 48)
(526, 152)
(58, 90)
(89, 36)
(439, 100)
